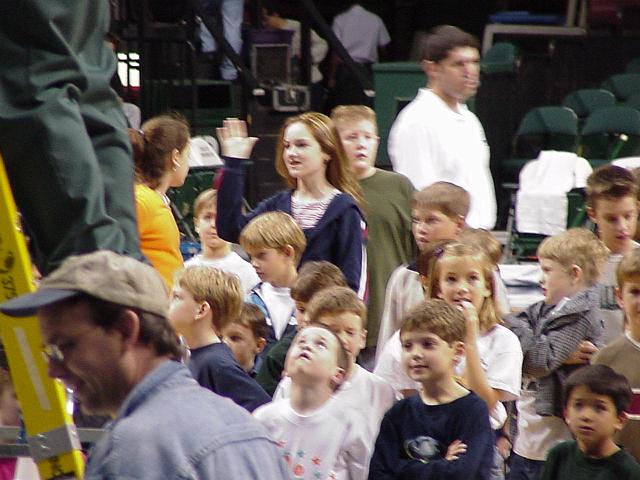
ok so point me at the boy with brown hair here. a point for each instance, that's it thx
(217, 252)
(612, 204)
(318, 438)
(246, 336)
(275, 243)
(444, 431)
(312, 277)
(596, 399)
(438, 212)
(388, 198)
(204, 300)
(623, 354)
(340, 310)
(552, 333)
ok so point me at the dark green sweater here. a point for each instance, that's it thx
(566, 462)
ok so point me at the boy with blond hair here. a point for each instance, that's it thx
(247, 336)
(612, 204)
(312, 277)
(596, 401)
(275, 243)
(552, 333)
(444, 431)
(340, 310)
(204, 301)
(217, 252)
(623, 354)
(317, 436)
(438, 212)
(388, 198)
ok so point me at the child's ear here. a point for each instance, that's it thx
(458, 348)
(338, 377)
(621, 420)
(260, 344)
(591, 213)
(203, 309)
(619, 298)
(288, 250)
(460, 223)
(576, 272)
(565, 411)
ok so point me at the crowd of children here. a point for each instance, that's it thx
(453, 384)
(462, 386)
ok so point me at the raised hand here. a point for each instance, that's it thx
(234, 140)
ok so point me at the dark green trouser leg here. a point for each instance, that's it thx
(62, 133)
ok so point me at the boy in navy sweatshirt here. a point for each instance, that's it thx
(204, 300)
(444, 431)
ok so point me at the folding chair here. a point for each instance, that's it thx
(610, 133)
(542, 128)
(501, 58)
(587, 100)
(622, 85)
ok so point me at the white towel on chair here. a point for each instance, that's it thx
(541, 205)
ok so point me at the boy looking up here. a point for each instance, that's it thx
(340, 310)
(275, 243)
(312, 277)
(246, 336)
(204, 301)
(318, 438)
(444, 431)
(551, 334)
(596, 398)
(217, 252)
(623, 354)
(388, 198)
(438, 212)
(612, 204)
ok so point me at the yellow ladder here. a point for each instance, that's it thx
(52, 436)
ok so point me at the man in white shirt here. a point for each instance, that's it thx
(436, 137)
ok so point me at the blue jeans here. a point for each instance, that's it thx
(231, 12)
(524, 469)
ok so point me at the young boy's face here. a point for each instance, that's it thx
(616, 219)
(557, 281)
(428, 358)
(593, 419)
(431, 225)
(183, 309)
(301, 314)
(348, 328)
(314, 355)
(272, 265)
(243, 343)
(360, 140)
(462, 280)
(205, 224)
(629, 301)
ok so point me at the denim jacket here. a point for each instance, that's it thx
(171, 428)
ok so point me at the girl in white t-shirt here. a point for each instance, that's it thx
(463, 275)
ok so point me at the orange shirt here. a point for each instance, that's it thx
(159, 235)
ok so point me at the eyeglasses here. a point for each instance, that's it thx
(52, 353)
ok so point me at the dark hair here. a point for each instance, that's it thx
(610, 182)
(252, 317)
(445, 38)
(601, 380)
(315, 276)
(155, 331)
(153, 144)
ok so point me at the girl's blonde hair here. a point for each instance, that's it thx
(488, 314)
(338, 172)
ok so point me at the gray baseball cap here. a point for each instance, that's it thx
(102, 274)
